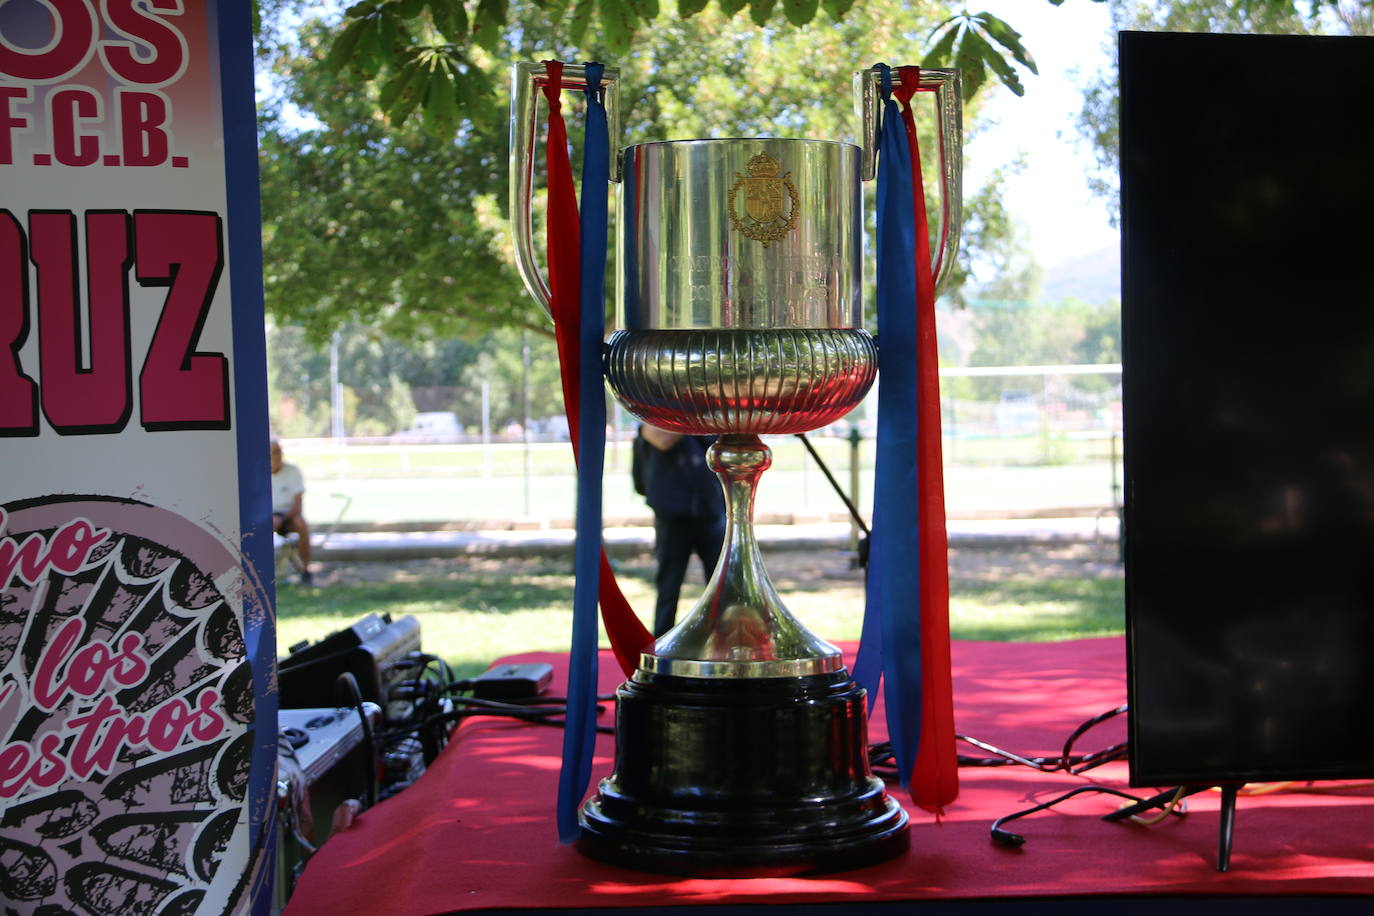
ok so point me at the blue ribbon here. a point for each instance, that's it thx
(891, 637)
(579, 735)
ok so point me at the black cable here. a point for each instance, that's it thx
(429, 692)
(548, 712)
(1080, 730)
(446, 673)
(1167, 800)
(1068, 762)
(880, 754)
(539, 698)
(425, 692)
(1002, 757)
(1107, 755)
(1007, 838)
(347, 683)
(519, 709)
(1065, 761)
(533, 716)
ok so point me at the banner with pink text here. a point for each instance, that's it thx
(137, 720)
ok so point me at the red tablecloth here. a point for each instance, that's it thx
(478, 829)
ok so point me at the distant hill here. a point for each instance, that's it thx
(1094, 278)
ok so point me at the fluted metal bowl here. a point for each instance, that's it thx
(718, 381)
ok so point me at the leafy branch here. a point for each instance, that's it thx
(970, 43)
(420, 52)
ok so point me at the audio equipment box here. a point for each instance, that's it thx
(324, 762)
(376, 650)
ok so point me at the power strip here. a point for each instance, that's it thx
(513, 681)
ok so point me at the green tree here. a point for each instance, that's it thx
(385, 380)
(376, 226)
(500, 367)
(429, 55)
(1099, 118)
(1072, 332)
(388, 226)
(297, 383)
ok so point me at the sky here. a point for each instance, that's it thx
(1070, 43)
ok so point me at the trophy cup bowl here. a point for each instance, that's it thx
(741, 739)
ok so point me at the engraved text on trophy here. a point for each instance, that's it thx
(784, 287)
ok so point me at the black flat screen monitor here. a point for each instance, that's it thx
(1247, 205)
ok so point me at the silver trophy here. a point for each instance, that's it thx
(741, 742)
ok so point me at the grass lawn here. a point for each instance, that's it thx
(475, 610)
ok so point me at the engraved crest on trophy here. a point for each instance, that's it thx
(766, 196)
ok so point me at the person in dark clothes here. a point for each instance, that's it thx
(670, 471)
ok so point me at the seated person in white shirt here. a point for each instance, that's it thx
(288, 488)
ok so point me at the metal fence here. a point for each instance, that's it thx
(1018, 441)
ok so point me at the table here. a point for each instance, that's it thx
(477, 830)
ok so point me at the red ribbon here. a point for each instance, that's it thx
(935, 779)
(628, 636)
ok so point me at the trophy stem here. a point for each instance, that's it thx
(740, 626)
(739, 461)
(741, 741)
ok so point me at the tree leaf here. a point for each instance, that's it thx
(761, 11)
(1008, 38)
(441, 14)
(409, 9)
(402, 92)
(450, 17)
(837, 8)
(342, 49)
(686, 9)
(731, 7)
(799, 12)
(366, 57)
(970, 65)
(472, 87)
(408, 97)
(581, 18)
(978, 45)
(645, 10)
(389, 32)
(488, 24)
(958, 17)
(942, 54)
(392, 87)
(441, 101)
(618, 21)
(998, 63)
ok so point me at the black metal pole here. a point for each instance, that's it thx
(848, 503)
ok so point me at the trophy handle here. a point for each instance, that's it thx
(528, 80)
(948, 103)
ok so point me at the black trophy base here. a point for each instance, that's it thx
(742, 776)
